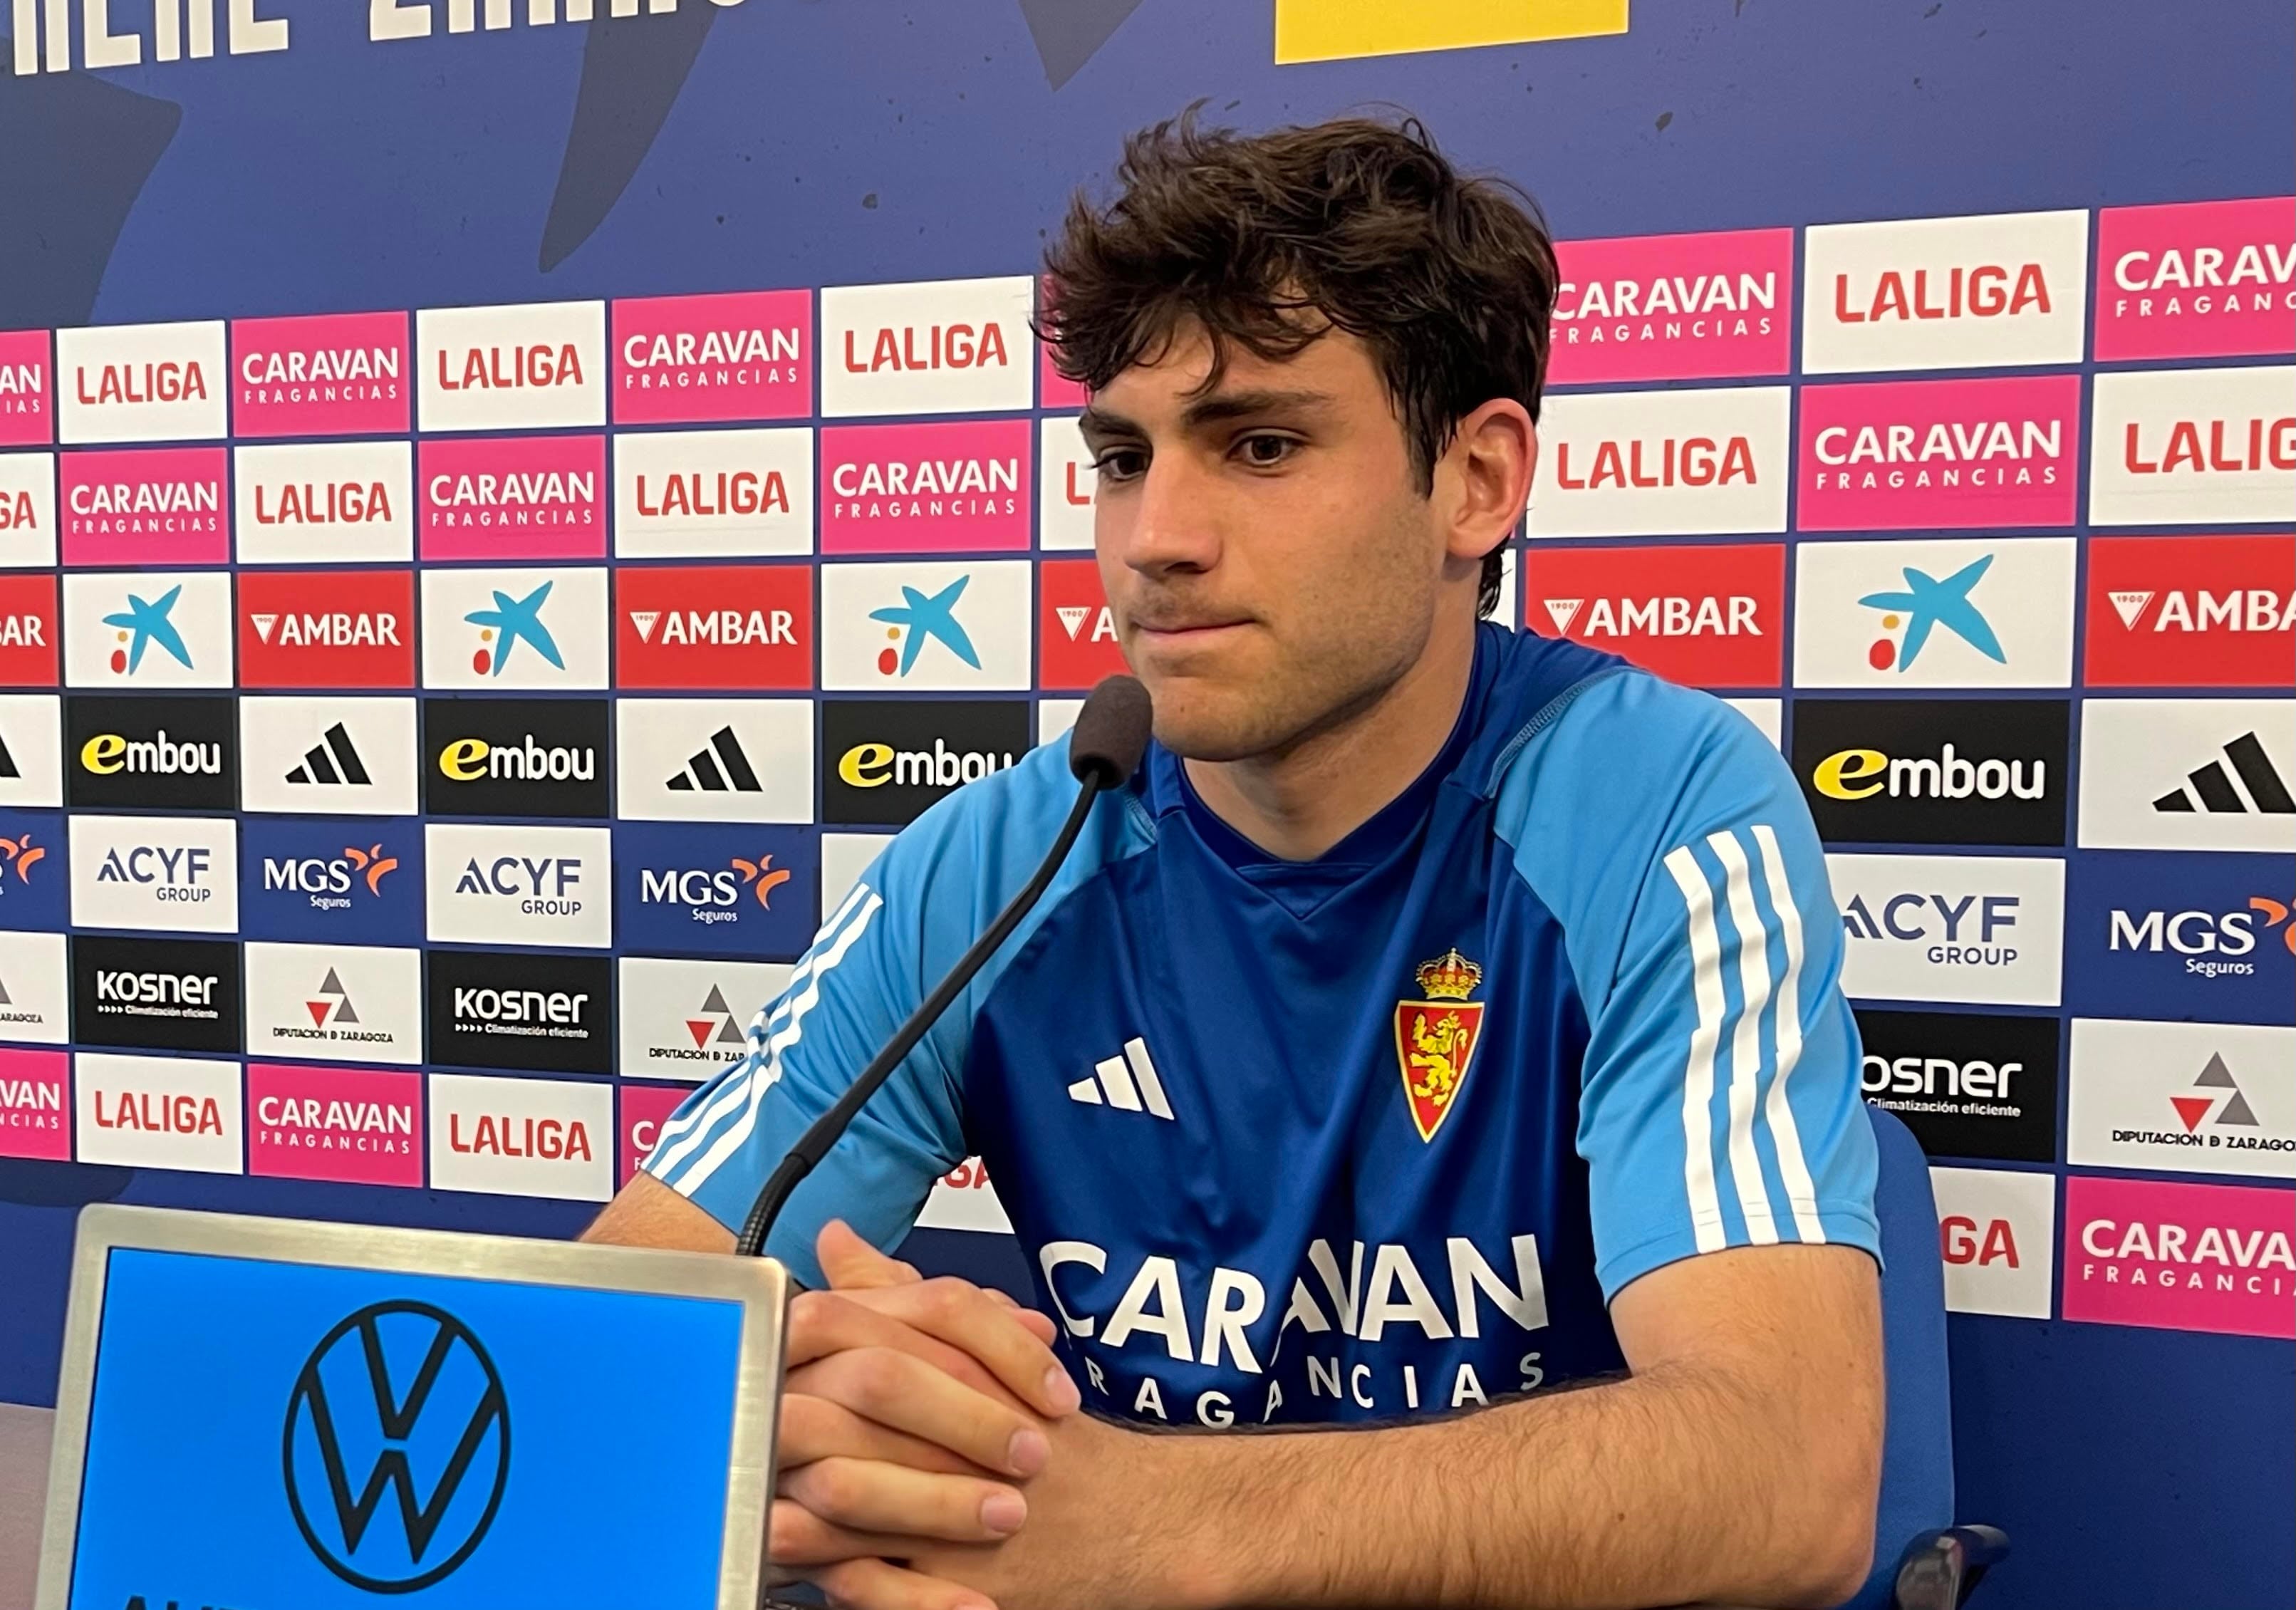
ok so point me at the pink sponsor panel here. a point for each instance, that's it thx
(2180, 1257)
(36, 1105)
(514, 497)
(143, 505)
(934, 489)
(695, 359)
(1938, 455)
(2196, 279)
(360, 1125)
(326, 374)
(645, 1108)
(1674, 307)
(28, 371)
(1054, 389)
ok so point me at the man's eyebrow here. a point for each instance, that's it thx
(1097, 421)
(1225, 406)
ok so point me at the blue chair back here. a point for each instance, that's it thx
(1917, 1450)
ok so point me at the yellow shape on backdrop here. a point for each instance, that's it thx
(1326, 31)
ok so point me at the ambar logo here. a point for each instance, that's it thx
(691, 359)
(1076, 643)
(2191, 611)
(1716, 619)
(29, 642)
(718, 626)
(326, 628)
(169, 753)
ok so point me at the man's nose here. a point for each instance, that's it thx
(1172, 526)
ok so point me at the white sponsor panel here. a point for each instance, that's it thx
(700, 494)
(173, 874)
(658, 742)
(2193, 447)
(334, 1003)
(2191, 1098)
(2188, 774)
(158, 1113)
(541, 626)
(844, 858)
(27, 510)
(519, 885)
(2005, 289)
(35, 988)
(306, 756)
(689, 1018)
(1645, 464)
(962, 1199)
(1768, 715)
(147, 628)
(1989, 929)
(521, 1137)
(531, 366)
(944, 627)
(1055, 717)
(1977, 613)
(1066, 484)
(1997, 1230)
(931, 347)
(31, 751)
(142, 382)
(324, 503)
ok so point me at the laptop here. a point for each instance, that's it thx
(261, 1413)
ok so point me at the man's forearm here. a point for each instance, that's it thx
(1674, 1487)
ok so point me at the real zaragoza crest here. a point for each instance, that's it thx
(1435, 1038)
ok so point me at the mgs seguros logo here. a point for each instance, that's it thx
(400, 1400)
(326, 628)
(333, 880)
(514, 756)
(936, 347)
(2196, 279)
(326, 374)
(747, 891)
(705, 359)
(1673, 306)
(27, 416)
(142, 382)
(1934, 771)
(1963, 613)
(700, 494)
(1939, 454)
(514, 497)
(542, 1014)
(1661, 464)
(311, 503)
(144, 507)
(177, 753)
(885, 762)
(954, 487)
(534, 366)
(161, 994)
(1707, 617)
(1966, 1086)
(2191, 611)
(730, 625)
(1944, 293)
(2207, 937)
(34, 886)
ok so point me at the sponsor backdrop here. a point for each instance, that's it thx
(501, 513)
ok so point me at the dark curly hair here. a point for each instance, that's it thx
(1268, 240)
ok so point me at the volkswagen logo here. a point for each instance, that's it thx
(397, 1447)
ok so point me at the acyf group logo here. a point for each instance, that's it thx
(398, 1402)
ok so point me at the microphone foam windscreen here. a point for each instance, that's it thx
(1111, 732)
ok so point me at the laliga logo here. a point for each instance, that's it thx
(452, 1419)
(22, 855)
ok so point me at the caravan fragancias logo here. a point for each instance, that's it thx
(409, 1389)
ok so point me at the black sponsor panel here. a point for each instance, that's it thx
(532, 1013)
(884, 762)
(1966, 1086)
(514, 758)
(157, 751)
(1934, 771)
(162, 995)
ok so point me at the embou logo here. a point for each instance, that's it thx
(453, 1418)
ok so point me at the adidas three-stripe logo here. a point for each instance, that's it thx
(333, 759)
(2245, 757)
(720, 768)
(1128, 1083)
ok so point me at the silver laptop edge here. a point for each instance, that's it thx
(760, 1285)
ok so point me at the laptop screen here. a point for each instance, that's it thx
(276, 1433)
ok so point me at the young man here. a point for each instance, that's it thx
(1440, 1014)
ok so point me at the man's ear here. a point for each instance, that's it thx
(1489, 466)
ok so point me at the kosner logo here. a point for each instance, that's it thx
(416, 1380)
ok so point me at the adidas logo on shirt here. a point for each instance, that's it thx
(2212, 784)
(1128, 1083)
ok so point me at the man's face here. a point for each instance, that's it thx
(1269, 559)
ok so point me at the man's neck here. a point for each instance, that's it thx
(1299, 801)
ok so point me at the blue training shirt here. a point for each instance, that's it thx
(1349, 1138)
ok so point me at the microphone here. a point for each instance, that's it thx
(1105, 749)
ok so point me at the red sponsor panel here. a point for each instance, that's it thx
(2191, 611)
(514, 497)
(28, 371)
(326, 628)
(1939, 454)
(707, 359)
(1076, 636)
(935, 489)
(327, 374)
(2180, 1257)
(2196, 279)
(726, 625)
(1708, 617)
(643, 1109)
(146, 506)
(356, 1124)
(36, 1105)
(28, 638)
(1674, 307)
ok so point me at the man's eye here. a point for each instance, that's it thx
(1264, 452)
(1121, 463)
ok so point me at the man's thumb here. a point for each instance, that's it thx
(850, 1263)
